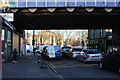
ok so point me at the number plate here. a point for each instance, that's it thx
(52, 54)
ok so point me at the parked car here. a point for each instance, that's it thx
(58, 53)
(29, 48)
(52, 52)
(90, 55)
(111, 61)
(40, 48)
(74, 52)
(65, 51)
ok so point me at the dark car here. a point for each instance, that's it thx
(111, 61)
(65, 51)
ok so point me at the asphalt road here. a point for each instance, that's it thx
(71, 68)
(67, 69)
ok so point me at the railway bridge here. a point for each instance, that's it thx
(63, 14)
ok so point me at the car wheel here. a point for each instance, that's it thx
(77, 58)
(101, 65)
(84, 61)
(71, 57)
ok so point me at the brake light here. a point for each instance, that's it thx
(88, 56)
(101, 56)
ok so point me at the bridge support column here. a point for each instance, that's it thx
(116, 39)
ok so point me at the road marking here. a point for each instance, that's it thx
(50, 66)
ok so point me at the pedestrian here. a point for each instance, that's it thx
(15, 55)
(109, 50)
(41, 48)
(34, 50)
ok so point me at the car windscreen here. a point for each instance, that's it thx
(64, 49)
(74, 50)
(93, 52)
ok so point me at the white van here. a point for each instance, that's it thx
(51, 52)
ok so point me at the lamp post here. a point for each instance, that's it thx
(33, 42)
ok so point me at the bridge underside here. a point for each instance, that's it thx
(62, 19)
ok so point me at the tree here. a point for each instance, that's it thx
(82, 36)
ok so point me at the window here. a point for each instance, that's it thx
(93, 52)
(3, 34)
(95, 33)
(101, 32)
(9, 36)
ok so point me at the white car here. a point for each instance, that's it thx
(90, 55)
(75, 52)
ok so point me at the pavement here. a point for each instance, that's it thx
(27, 67)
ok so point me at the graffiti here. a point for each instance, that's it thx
(12, 3)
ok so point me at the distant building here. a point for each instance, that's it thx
(100, 39)
(45, 37)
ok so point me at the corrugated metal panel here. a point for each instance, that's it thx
(51, 3)
(60, 3)
(118, 3)
(31, 3)
(80, 3)
(21, 3)
(90, 3)
(41, 3)
(64, 3)
(101, 3)
(110, 3)
(70, 3)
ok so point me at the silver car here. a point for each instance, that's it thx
(75, 52)
(90, 55)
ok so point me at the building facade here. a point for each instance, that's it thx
(100, 39)
(10, 40)
(44, 37)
